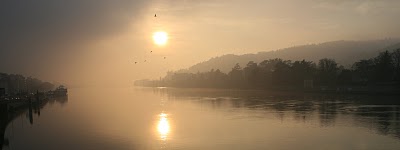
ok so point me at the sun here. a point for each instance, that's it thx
(160, 38)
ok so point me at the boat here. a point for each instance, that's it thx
(61, 91)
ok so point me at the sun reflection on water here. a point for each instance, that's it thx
(163, 127)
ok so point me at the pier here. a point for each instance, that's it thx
(11, 109)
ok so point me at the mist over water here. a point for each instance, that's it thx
(169, 118)
(67, 69)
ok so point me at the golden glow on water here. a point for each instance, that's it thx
(163, 126)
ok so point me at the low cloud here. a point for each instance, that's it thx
(33, 32)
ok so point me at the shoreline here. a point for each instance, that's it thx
(389, 91)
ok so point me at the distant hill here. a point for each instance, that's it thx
(344, 52)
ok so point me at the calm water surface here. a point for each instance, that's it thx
(206, 119)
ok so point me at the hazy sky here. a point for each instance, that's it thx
(97, 41)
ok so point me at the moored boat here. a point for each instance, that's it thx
(61, 91)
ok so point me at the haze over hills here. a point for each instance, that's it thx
(344, 52)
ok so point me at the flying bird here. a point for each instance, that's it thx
(155, 15)
(135, 62)
(151, 51)
(165, 57)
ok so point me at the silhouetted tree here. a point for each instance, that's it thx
(327, 69)
(250, 72)
(287, 74)
(236, 76)
(345, 76)
(364, 70)
(384, 67)
(282, 72)
(266, 69)
(396, 63)
(303, 70)
(18, 85)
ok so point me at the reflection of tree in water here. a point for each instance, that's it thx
(303, 110)
(327, 108)
(384, 118)
(8, 114)
(380, 112)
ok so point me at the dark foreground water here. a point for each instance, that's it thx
(190, 119)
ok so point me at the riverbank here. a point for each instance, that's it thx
(362, 90)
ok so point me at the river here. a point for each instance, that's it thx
(207, 119)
